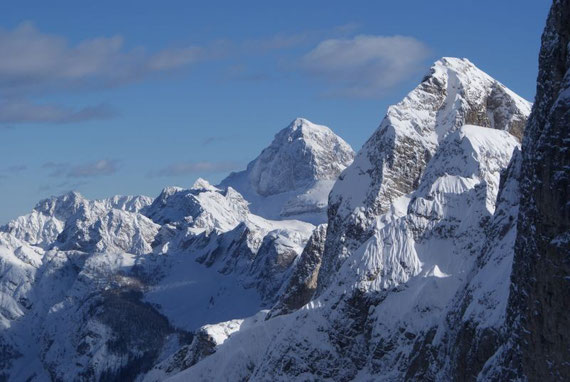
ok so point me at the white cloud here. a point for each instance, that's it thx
(12, 170)
(97, 168)
(35, 62)
(365, 66)
(175, 58)
(39, 64)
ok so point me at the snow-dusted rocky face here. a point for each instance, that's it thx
(299, 155)
(393, 160)
(293, 176)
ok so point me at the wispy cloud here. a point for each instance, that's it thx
(286, 41)
(86, 170)
(219, 139)
(35, 63)
(364, 66)
(56, 169)
(7, 172)
(277, 46)
(98, 168)
(62, 187)
(242, 73)
(187, 168)
(16, 169)
(277, 42)
(211, 140)
(22, 111)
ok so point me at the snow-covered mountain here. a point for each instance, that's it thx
(393, 160)
(446, 252)
(413, 223)
(406, 220)
(293, 176)
(104, 289)
(443, 254)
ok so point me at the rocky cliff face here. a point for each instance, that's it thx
(539, 340)
(393, 160)
(303, 282)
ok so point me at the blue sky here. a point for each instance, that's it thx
(126, 97)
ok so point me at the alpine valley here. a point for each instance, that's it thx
(440, 251)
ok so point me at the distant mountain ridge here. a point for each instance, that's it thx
(143, 253)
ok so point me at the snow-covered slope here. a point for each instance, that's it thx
(218, 247)
(407, 240)
(104, 289)
(393, 160)
(292, 177)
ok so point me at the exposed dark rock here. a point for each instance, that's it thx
(539, 324)
(303, 282)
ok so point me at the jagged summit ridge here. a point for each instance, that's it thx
(392, 161)
(79, 274)
(51, 216)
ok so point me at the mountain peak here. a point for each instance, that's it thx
(299, 122)
(300, 156)
(454, 93)
(202, 184)
(460, 93)
(454, 62)
(305, 130)
(304, 125)
(393, 161)
(65, 205)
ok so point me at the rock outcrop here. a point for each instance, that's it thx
(303, 282)
(538, 346)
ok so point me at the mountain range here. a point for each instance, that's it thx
(439, 251)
